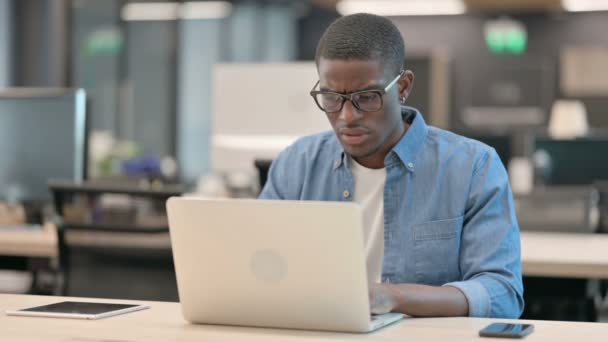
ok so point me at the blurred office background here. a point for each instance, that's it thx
(198, 96)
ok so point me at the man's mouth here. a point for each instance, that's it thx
(353, 136)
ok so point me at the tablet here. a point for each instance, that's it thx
(81, 310)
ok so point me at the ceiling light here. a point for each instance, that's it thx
(401, 7)
(162, 11)
(140, 11)
(585, 5)
(205, 10)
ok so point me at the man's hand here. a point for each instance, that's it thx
(382, 299)
(417, 300)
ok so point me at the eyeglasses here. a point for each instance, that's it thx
(365, 100)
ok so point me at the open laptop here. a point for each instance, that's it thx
(280, 264)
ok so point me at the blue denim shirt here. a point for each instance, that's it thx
(448, 211)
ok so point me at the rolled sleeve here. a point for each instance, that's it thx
(477, 297)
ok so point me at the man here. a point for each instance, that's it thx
(441, 236)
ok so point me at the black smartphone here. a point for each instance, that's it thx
(507, 330)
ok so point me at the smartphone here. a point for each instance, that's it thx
(507, 330)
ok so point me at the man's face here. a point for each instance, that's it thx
(363, 135)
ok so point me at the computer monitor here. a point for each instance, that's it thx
(574, 162)
(42, 136)
(272, 109)
(513, 94)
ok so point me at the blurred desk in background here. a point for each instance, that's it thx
(34, 249)
(543, 254)
(563, 275)
(565, 255)
(115, 232)
(26, 241)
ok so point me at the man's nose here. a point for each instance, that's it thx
(349, 113)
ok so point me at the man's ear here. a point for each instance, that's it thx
(406, 83)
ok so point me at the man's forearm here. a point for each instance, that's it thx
(423, 300)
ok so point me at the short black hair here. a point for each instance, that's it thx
(363, 37)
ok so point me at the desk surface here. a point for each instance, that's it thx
(163, 322)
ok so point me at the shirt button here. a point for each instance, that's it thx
(345, 194)
(410, 165)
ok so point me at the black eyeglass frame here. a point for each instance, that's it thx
(349, 96)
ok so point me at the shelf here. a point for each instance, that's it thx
(112, 187)
(115, 228)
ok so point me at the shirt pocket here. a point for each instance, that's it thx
(437, 251)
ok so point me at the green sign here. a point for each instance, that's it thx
(505, 36)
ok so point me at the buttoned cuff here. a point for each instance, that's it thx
(477, 296)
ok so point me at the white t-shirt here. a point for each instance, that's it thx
(369, 193)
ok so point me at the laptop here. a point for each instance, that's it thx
(277, 264)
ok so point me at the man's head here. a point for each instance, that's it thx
(364, 52)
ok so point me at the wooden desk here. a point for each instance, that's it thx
(564, 255)
(29, 243)
(164, 322)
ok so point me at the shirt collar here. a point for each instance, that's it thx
(409, 146)
(406, 149)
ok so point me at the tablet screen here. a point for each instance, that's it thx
(79, 308)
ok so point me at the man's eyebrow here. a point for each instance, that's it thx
(369, 87)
